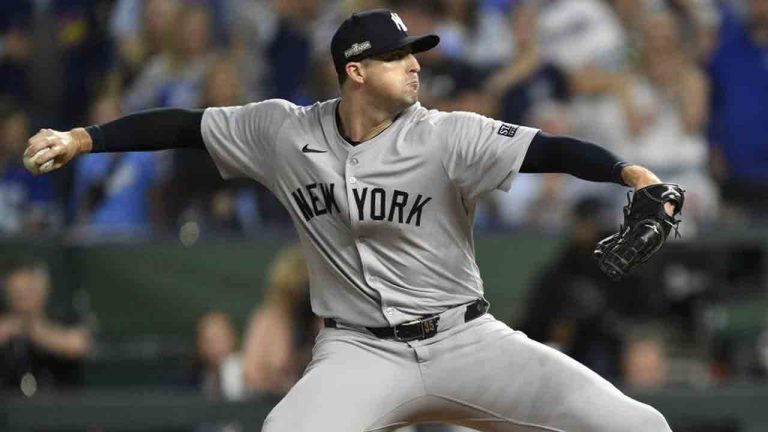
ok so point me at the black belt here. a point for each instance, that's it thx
(423, 328)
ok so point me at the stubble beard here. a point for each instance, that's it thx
(409, 97)
(399, 102)
(389, 96)
(408, 101)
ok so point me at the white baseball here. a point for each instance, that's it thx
(44, 167)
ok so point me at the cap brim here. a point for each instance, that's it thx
(417, 43)
(420, 43)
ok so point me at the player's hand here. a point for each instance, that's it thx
(49, 150)
(640, 177)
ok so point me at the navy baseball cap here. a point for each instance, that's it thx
(373, 32)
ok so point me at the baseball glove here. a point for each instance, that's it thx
(646, 226)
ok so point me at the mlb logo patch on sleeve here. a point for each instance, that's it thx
(507, 130)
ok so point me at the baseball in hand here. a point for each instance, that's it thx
(32, 166)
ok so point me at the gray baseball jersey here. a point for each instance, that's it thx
(387, 231)
(386, 225)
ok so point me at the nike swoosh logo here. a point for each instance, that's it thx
(306, 149)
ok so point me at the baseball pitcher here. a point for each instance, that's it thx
(382, 192)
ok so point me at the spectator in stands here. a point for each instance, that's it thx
(652, 107)
(63, 50)
(671, 94)
(252, 27)
(37, 350)
(529, 79)
(645, 361)
(472, 31)
(196, 193)
(15, 48)
(278, 343)
(27, 204)
(116, 194)
(573, 306)
(174, 77)
(141, 29)
(223, 84)
(739, 117)
(587, 41)
(699, 19)
(701, 25)
(631, 14)
(219, 371)
(288, 52)
(581, 34)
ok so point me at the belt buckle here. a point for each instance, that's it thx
(427, 328)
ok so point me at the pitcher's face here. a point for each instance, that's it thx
(393, 77)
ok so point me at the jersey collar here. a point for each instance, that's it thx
(337, 122)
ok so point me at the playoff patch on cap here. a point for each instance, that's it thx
(357, 49)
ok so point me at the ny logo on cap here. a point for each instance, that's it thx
(398, 22)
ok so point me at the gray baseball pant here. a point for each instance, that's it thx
(481, 374)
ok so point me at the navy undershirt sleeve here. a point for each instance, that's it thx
(157, 129)
(557, 154)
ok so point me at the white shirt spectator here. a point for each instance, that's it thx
(581, 33)
(491, 44)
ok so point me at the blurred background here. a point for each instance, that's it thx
(140, 292)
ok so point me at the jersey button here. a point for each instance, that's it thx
(353, 161)
(352, 180)
(372, 279)
(389, 310)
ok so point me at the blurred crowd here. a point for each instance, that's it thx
(41, 348)
(676, 85)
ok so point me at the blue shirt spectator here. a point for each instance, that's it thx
(739, 120)
(288, 54)
(112, 192)
(26, 202)
(548, 82)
